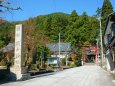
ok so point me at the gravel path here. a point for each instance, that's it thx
(79, 76)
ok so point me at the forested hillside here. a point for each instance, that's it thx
(74, 28)
(6, 32)
(77, 29)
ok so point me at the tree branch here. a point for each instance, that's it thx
(4, 4)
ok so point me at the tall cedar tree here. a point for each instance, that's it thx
(72, 29)
(107, 8)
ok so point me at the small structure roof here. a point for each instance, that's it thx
(7, 48)
(63, 47)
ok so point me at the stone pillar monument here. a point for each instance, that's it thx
(18, 69)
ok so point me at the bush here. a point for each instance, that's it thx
(77, 63)
(63, 61)
(72, 64)
(68, 63)
(52, 65)
(34, 67)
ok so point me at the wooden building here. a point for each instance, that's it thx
(109, 41)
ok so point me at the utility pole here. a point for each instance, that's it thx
(59, 44)
(59, 48)
(101, 42)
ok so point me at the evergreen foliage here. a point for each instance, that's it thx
(5, 32)
(77, 29)
(107, 8)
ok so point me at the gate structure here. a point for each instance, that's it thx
(89, 54)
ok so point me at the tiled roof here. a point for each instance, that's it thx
(63, 47)
(8, 48)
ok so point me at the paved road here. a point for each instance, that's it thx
(80, 76)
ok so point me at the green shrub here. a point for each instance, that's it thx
(52, 65)
(77, 63)
(72, 64)
(68, 64)
(33, 67)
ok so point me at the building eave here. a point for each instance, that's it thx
(108, 21)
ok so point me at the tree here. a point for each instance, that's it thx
(6, 30)
(107, 8)
(54, 24)
(4, 6)
(74, 16)
(1, 43)
(71, 29)
(43, 53)
(98, 12)
(47, 24)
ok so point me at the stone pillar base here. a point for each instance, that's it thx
(23, 76)
(19, 74)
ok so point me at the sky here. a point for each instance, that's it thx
(33, 8)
